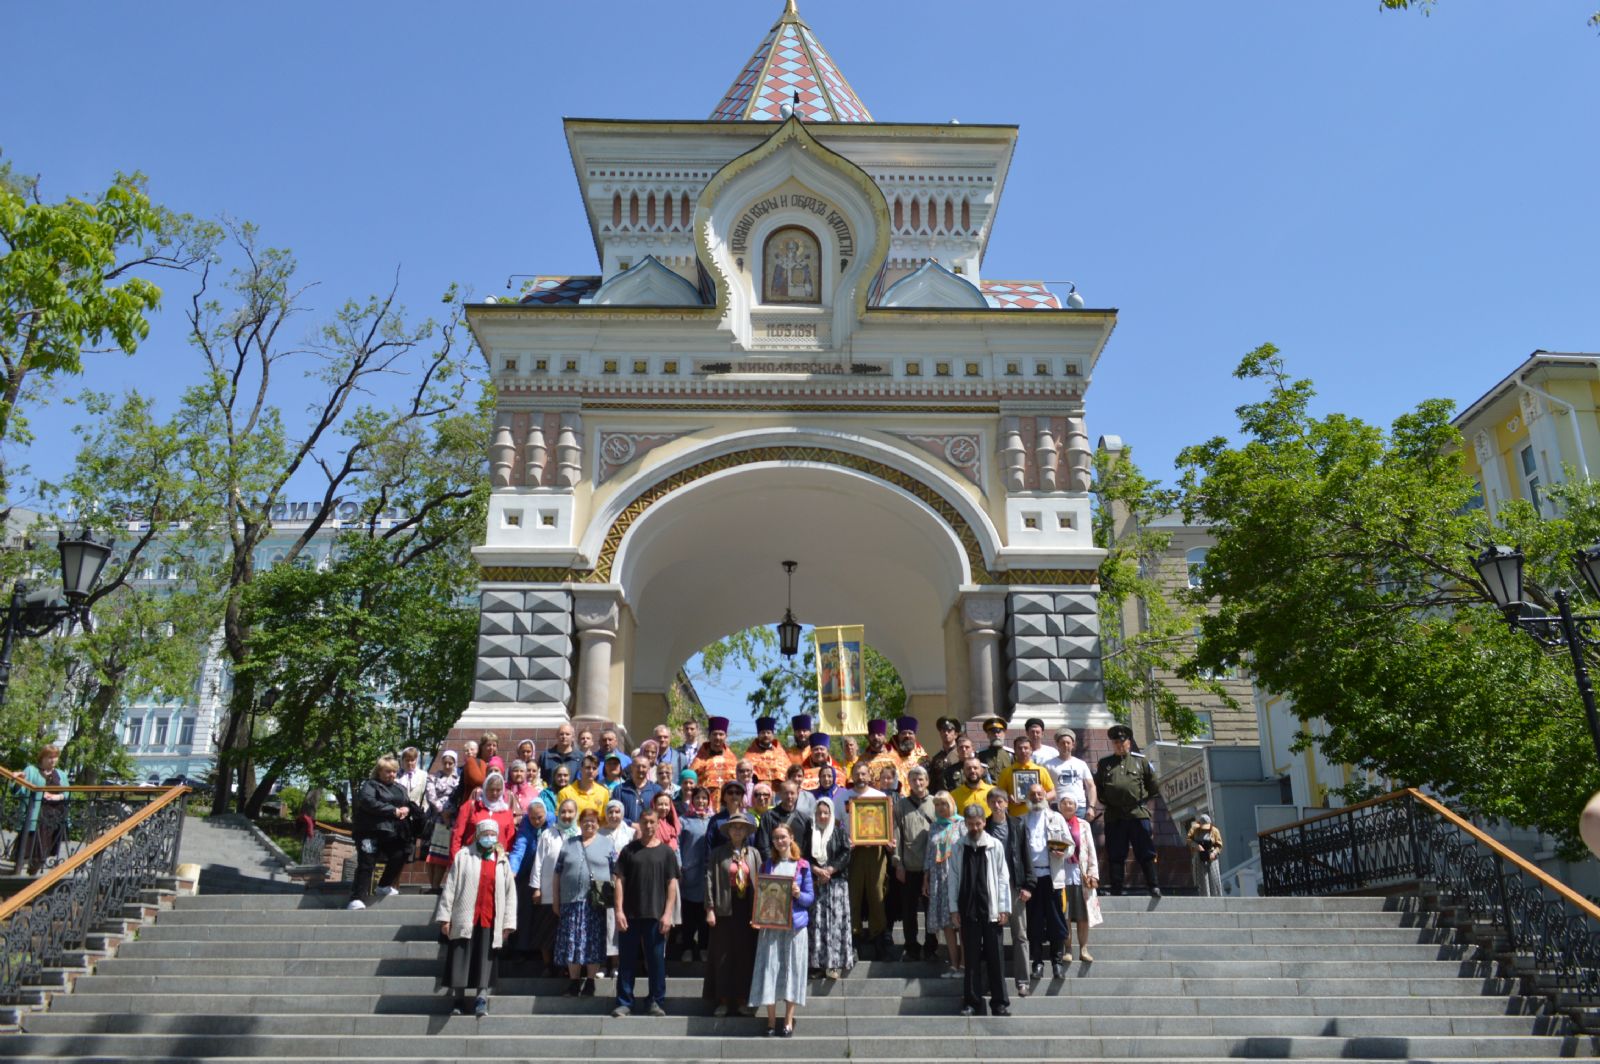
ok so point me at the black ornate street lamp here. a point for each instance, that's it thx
(789, 628)
(39, 613)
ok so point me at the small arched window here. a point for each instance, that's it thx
(1196, 561)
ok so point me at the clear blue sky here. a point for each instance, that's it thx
(1405, 205)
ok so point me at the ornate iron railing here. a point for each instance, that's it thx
(1547, 930)
(41, 827)
(51, 918)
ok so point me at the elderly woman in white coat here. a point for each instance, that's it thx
(477, 912)
(1079, 873)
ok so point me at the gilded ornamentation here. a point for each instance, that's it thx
(649, 496)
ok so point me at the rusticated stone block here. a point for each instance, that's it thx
(1029, 624)
(495, 691)
(547, 646)
(499, 646)
(542, 691)
(1029, 669)
(1024, 602)
(1076, 602)
(1033, 646)
(501, 601)
(1035, 692)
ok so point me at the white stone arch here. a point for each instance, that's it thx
(704, 561)
(947, 489)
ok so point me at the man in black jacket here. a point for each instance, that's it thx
(1008, 832)
(382, 832)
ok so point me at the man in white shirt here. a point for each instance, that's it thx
(1072, 775)
(1043, 752)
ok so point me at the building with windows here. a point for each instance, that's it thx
(1537, 427)
(176, 733)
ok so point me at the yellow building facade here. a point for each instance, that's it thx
(1538, 427)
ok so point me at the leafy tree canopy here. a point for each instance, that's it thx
(1342, 577)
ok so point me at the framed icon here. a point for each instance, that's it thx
(871, 822)
(774, 904)
(1022, 781)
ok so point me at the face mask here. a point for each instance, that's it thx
(487, 842)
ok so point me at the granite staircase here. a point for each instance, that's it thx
(298, 979)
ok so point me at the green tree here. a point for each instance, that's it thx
(785, 689)
(1426, 6)
(155, 607)
(1342, 575)
(370, 452)
(73, 275)
(1149, 667)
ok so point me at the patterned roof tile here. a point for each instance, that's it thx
(791, 66)
(1019, 295)
(560, 288)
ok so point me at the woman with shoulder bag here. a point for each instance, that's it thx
(439, 802)
(582, 896)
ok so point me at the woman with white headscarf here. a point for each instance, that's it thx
(615, 830)
(828, 850)
(489, 804)
(477, 911)
(439, 801)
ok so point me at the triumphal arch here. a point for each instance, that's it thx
(794, 349)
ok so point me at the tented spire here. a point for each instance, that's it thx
(791, 60)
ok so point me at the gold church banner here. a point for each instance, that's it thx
(841, 681)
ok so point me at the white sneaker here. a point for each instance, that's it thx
(355, 904)
(388, 892)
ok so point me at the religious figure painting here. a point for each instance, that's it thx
(870, 822)
(774, 903)
(839, 671)
(791, 267)
(1022, 781)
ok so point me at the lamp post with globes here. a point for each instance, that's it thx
(39, 613)
(1500, 568)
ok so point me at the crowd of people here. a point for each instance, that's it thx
(587, 859)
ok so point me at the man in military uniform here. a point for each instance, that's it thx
(995, 757)
(944, 767)
(1127, 787)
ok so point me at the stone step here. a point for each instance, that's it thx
(504, 1022)
(382, 915)
(1135, 981)
(982, 1039)
(1108, 934)
(1109, 966)
(1104, 951)
(312, 901)
(822, 1003)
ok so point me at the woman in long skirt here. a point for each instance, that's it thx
(1205, 853)
(781, 968)
(585, 860)
(477, 911)
(439, 799)
(730, 904)
(833, 950)
(942, 837)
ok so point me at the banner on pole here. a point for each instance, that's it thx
(841, 680)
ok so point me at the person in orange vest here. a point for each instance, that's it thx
(906, 751)
(802, 726)
(766, 756)
(819, 755)
(714, 763)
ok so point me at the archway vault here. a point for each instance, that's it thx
(654, 492)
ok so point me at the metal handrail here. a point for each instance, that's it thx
(1545, 932)
(40, 826)
(1499, 848)
(48, 922)
(19, 780)
(86, 854)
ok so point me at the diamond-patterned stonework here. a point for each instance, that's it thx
(1019, 295)
(524, 647)
(791, 66)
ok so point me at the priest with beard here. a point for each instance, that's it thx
(766, 756)
(906, 751)
(714, 764)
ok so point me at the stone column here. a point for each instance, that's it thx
(569, 451)
(1046, 455)
(598, 614)
(502, 451)
(1014, 454)
(983, 618)
(536, 450)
